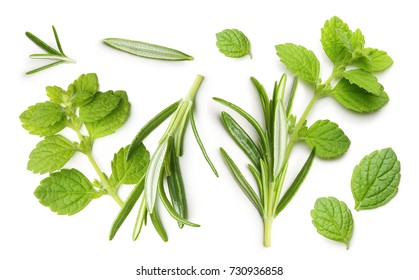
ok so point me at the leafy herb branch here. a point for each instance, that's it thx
(81, 106)
(356, 89)
(52, 53)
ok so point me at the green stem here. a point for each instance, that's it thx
(267, 231)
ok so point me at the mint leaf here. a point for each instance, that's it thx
(375, 179)
(335, 36)
(102, 105)
(44, 119)
(357, 99)
(364, 80)
(376, 61)
(55, 94)
(233, 43)
(357, 41)
(66, 192)
(131, 171)
(112, 121)
(84, 89)
(333, 219)
(300, 61)
(51, 154)
(327, 138)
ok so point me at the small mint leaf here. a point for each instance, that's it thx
(233, 43)
(102, 105)
(55, 94)
(364, 80)
(335, 35)
(375, 61)
(84, 89)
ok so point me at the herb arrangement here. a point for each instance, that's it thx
(352, 83)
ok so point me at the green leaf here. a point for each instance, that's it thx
(66, 192)
(333, 219)
(44, 119)
(146, 50)
(357, 99)
(150, 126)
(51, 154)
(295, 186)
(129, 171)
(233, 43)
(42, 44)
(357, 41)
(102, 105)
(55, 94)
(375, 179)
(376, 61)
(112, 121)
(364, 80)
(242, 139)
(242, 182)
(301, 62)
(158, 225)
(327, 138)
(84, 89)
(332, 35)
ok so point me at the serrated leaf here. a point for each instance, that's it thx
(301, 62)
(364, 80)
(233, 43)
(84, 89)
(327, 138)
(357, 99)
(51, 154)
(375, 179)
(333, 219)
(376, 61)
(65, 192)
(112, 121)
(129, 171)
(44, 119)
(102, 105)
(55, 94)
(357, 40)
(331, 37)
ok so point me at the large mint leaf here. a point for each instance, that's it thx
(357, 99)
(112, 121)
(44, 119)
(84, 89)
(364, 80)
(335, 36)
(300, 61)
(131, 171)
(327, 138)
(233, 43)
(102, 105)
(65, 192)
(376, 61)
(375, 179)
(51, 154)
(333, 219)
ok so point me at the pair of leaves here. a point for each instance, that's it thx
(375, 182)
(68, 191)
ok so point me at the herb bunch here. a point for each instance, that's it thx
(352, 83)
(82, 107)
(163, 170)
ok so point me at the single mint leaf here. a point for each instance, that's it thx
(364, 80)
(233, 43)
(357, 99)
(112, 121)
(44, 119)
(357, 41)
(301, 62)
(335, 35)
(65, 192)
(131, 171)
(55, 94)
(333, 219)
(84, 89)
(376, 61)
(327, 138)
(102, 105)
(375, 180)
(51, 154)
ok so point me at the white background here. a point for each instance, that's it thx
(38, 244)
